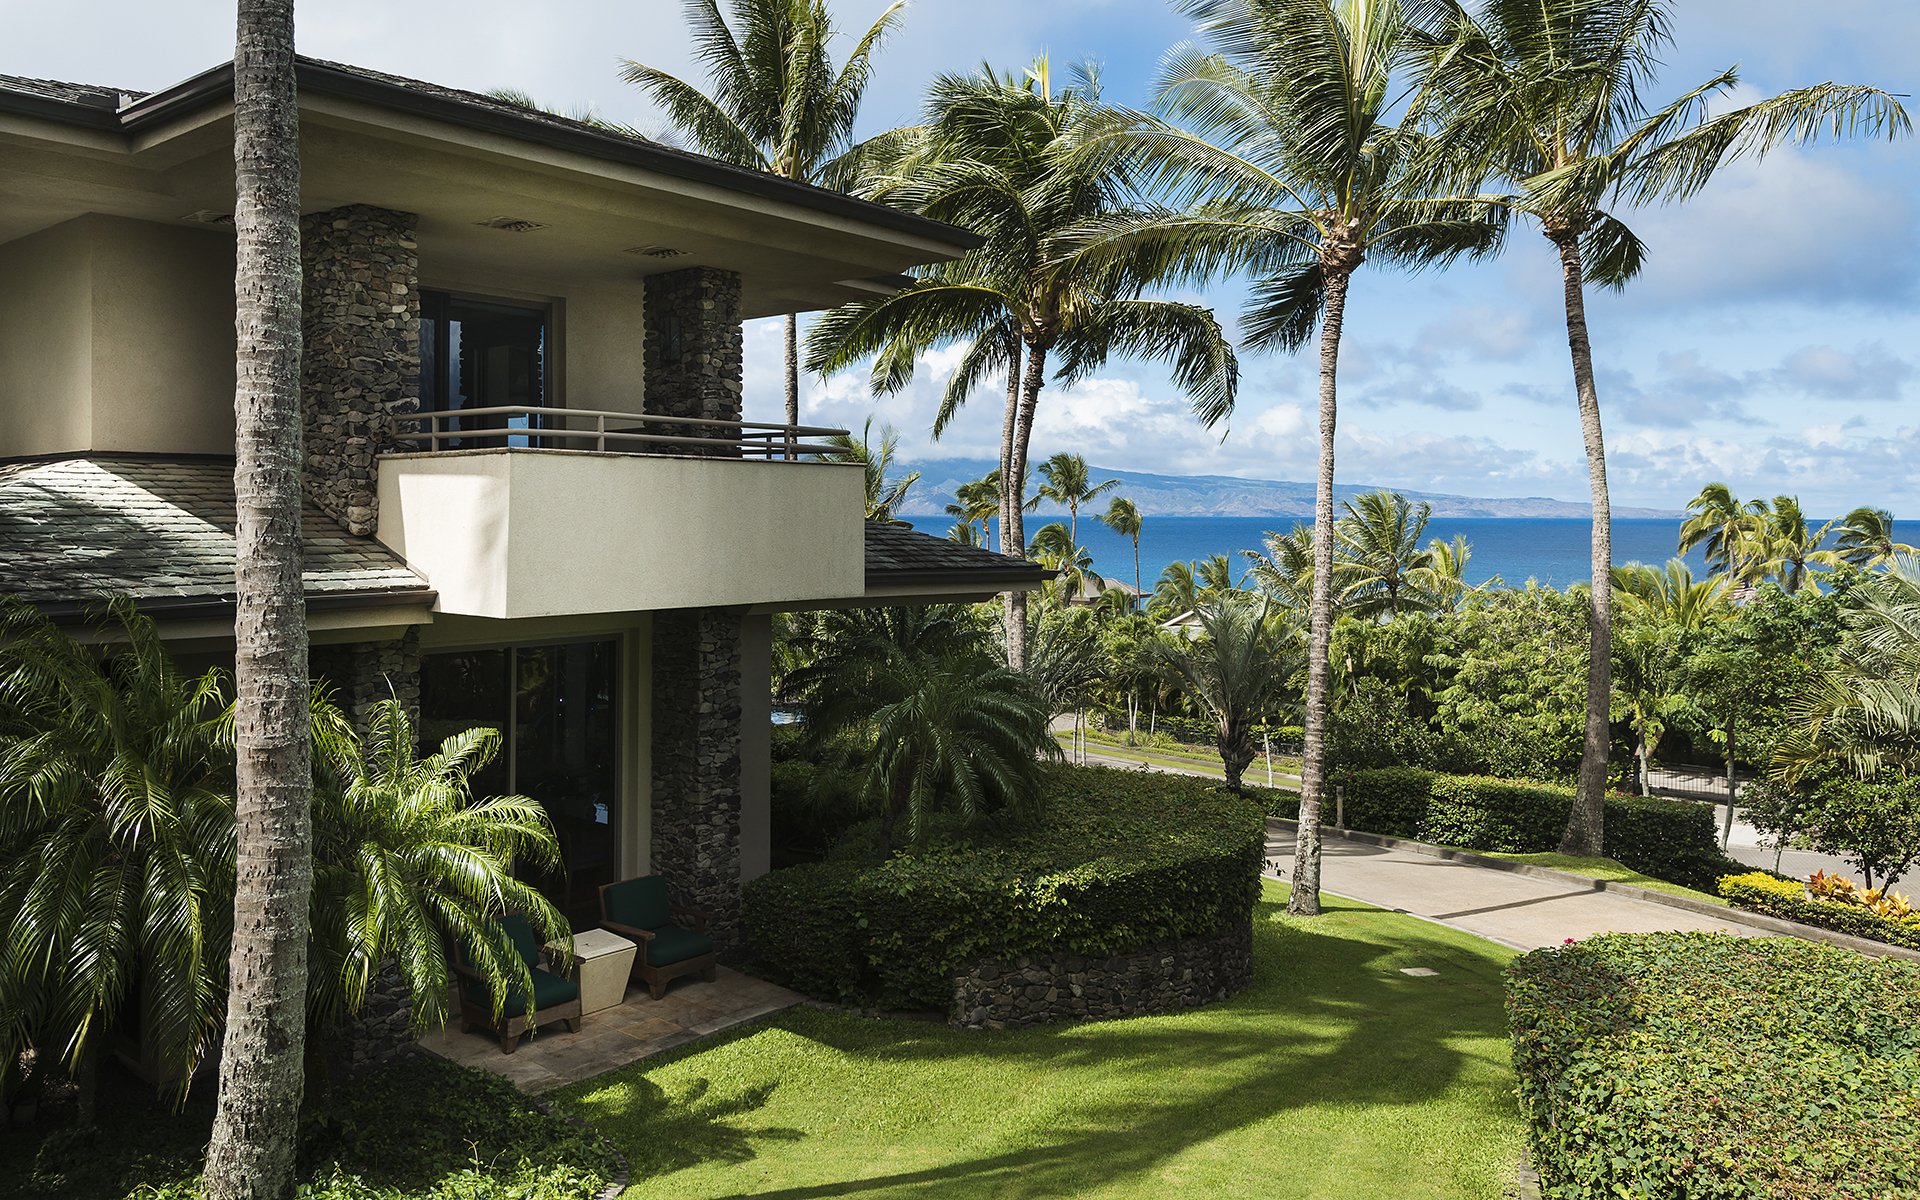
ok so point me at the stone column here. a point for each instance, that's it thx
(693, 352)
(360, 365)
(365, 673)
(696, 763)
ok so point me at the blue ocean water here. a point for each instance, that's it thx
(1555, 551)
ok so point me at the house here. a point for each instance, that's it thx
(1092, 587)
(532, 499)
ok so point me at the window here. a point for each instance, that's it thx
(555, 708)
(482, 354)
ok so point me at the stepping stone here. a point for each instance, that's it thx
(1418, 972)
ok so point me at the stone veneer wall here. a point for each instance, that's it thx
(361, 361)
(693, 351)
(365, 673)
(1037, 989)
(696, 763)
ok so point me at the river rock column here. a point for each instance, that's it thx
(360, 362)
(364, 673)
(693, 353)
(696, 763)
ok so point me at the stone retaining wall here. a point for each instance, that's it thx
(1036, 989)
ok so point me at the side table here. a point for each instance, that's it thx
(602, 962)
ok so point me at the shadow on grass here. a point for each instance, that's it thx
(1329, 1020)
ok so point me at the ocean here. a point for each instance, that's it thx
(1554, 551)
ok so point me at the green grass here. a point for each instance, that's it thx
(1607, 869)
(1333, 1076)
(1203, 761)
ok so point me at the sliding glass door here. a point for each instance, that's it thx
(555, 706)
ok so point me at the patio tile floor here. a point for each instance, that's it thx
(614, 1037)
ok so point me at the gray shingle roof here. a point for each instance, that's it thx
(87, 95)
(896, 553)
(159, 530)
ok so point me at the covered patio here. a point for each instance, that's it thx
(614, 1037)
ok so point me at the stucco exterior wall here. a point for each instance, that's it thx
(117, 335)
(602, 348)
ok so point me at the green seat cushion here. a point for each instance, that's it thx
(525, 940)
(672, 944)
(640, 903)
(548, 990)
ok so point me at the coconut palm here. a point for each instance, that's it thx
(884, 494)
(777, 103)
(910, 699)
(1864, 714)
(1784, 544)
(407, 860)
(965, 534)
(977, 500)
(1380, 563)
(1123, 517)
(1074, 577)
(116, 844)
(1295, 156)
(1185, 586)
(255, 1122)
(1239, 670)
(1670, 595)
(995, 154)
(1068, 482)
(1285, 569)
(1722, 526)
(1864, 538)
(1552, 95)
(1443, 580)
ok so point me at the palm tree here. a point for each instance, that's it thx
(407, 859)
(1238, 670)
(1784, 545)
(1296, 171)
(1863, 715)
(1443, 580)
(1054, 548)
(1380, 562)
(977, 500)
(1551, 95)
(252, 1148)
(884, 495)
(1068, 483)
(1285, 569)
(965, 534)
(777, 104)
(1865, 539)
(1123, 517)
(1670, 595)
(116, 844)
(1185, 586)
(910, 698)
(995, 155)
(1647, 674)
(1722, 525)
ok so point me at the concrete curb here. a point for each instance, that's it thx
(1627, 891)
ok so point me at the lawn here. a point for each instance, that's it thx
(1607, 869)
(1335, 1075)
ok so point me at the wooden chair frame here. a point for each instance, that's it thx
(656, 978)
(511, 1026)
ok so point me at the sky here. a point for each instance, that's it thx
(1771, 343)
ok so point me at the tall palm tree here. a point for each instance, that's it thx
(777, 104)
(995, 154)
(1865, 539)
(1670, 595)
(1551, 94)
(1443, 580)
(1123, 517)
(255, 1122)
(1297, 158)
(884, 493)
(1068, 482)
(1784, 543)
(1721, 525)
(1381, 562)
(1284, 570)
(977, 500)
(1054, 548)
(1239, 670)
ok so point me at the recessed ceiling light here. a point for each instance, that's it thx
(656, 251)
(510, 224)
(206, 216)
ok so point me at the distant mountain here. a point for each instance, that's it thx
(1228, 496)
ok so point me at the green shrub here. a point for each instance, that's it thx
(1121, 860)
(1672, 840)
(1788, 898)
(1705, 1065)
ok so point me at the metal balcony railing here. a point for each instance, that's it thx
(615, 432)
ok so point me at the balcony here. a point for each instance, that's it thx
(525, 512)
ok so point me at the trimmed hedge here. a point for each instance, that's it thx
(1198, 731)
(1120, 860)
(1672, 840)
(1788, 898)
(1710, 1066)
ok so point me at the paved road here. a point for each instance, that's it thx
(1518, 910)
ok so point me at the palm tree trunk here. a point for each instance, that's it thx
(1304, 900)
(793, 369)
(252, 1149)
(1137, 597)
(1032, 379)
(1585, 833)
(1009, 423)
(1726, 825)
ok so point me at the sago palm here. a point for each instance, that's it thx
(777, 102)
(1552, 96)
(1293, 151)
(996, 154)
(407, 859)
(1069, 482)
(1123, 517)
